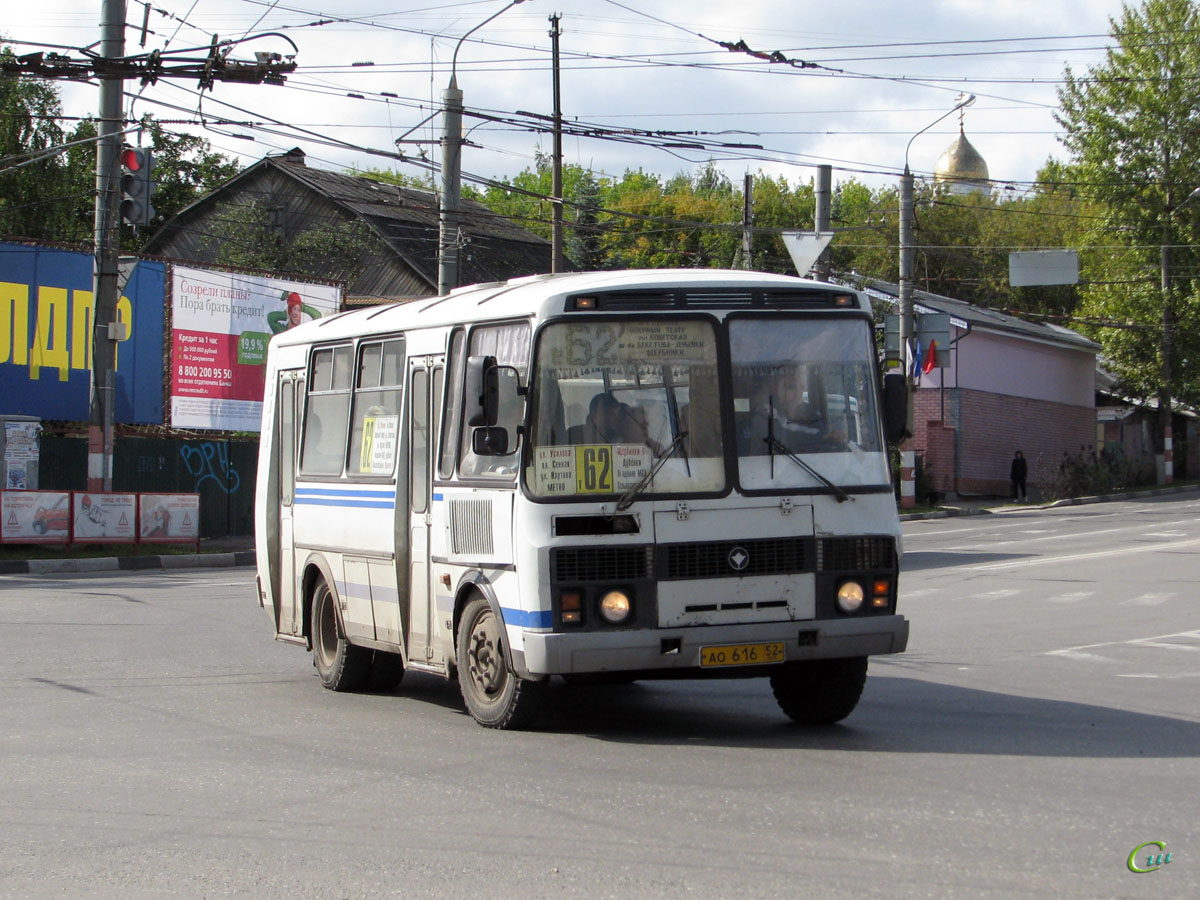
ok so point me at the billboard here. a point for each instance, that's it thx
(220, 325)
(46, 316)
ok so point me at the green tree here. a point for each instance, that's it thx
(1130, 128)
(38, 199)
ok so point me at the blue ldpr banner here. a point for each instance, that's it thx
(46, 316)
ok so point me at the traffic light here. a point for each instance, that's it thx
(137, 167)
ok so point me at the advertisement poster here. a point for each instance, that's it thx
(47, 321)
(17, 474)
(221, 323)
(30, 517)
(169, 518)
(105, 517)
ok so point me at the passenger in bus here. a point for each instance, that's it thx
(798, 425)
(603, 422)
(634, 427)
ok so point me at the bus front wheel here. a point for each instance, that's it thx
(341, 665)
(495, 696)
(819, 691)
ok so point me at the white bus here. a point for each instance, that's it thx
(601, 476)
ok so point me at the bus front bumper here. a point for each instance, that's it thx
(665, 649)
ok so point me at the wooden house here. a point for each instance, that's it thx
(400, 261)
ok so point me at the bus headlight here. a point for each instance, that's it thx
(615, 607)
(850, 596)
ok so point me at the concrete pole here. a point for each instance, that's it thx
(1164, 398)
(448, 238)
(823, 194)
(106, 250)
(908, 486)
(747, 221)
(557, 261)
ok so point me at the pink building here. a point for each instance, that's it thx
(1003, 384)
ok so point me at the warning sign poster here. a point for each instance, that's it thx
(29, 517)
(105, 517)
(169, 518)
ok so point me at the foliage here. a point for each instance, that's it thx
(1084, 474)
(53, 199)
(243, 235)
(41, 199)
(1130, 128)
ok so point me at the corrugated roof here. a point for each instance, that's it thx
(977, 316)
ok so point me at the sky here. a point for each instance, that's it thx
(853, 82)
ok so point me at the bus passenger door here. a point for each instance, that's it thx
(424, 413)
(291, 394)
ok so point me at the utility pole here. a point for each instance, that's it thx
(556, 187)
(1164, 399)
(449, 240)
(747, 221)
(106, 249)
(448, 220)
(823, 194)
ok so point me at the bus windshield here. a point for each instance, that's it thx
(628, 406)
(804, 388)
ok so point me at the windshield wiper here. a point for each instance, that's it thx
(631, 494)
(775, 444)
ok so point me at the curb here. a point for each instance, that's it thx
(1070, 501)
(126, 563)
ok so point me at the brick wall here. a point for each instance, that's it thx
(970, 451)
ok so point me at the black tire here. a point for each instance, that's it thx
(495, 696)
(341, 665)
(387, 670)
(820, 691)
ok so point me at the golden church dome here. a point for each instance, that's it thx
(961, 168)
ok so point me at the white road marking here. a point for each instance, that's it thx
(1073, 597)
(1074, 557)
(1153, 641)
(1148, 600)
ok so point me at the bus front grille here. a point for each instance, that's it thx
(576, 565)
(736, 559)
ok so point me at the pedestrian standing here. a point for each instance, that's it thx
(1017, 473)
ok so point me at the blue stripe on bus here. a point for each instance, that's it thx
(346, 497)
(523, 619)
(438, 497)
(369, 504)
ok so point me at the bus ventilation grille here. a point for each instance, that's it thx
(583, 564)
(471, 527)
(855, 554)
(773, 556)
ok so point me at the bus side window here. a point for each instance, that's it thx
(327, 412)
(509, 343)
(375, 431)
(454, 392)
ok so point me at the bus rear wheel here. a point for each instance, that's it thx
(340, 665)
(495, 696)
(819, 691)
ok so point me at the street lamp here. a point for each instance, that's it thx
(452, 108)
(906, 242)
(1164, 400)
(908, 492)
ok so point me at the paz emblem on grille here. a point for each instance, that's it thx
(738, 558)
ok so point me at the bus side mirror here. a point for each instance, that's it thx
(895, 408)
(490, 441)
(482, 394)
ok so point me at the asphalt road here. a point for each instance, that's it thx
(1044, 722)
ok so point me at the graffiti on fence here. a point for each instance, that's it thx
(210, 461)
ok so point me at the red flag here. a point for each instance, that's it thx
(930, 358)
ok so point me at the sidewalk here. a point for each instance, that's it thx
(239, 551)
(215, 553)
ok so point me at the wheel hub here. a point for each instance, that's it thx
(487, 663)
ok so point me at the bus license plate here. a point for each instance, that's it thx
(742, 654)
